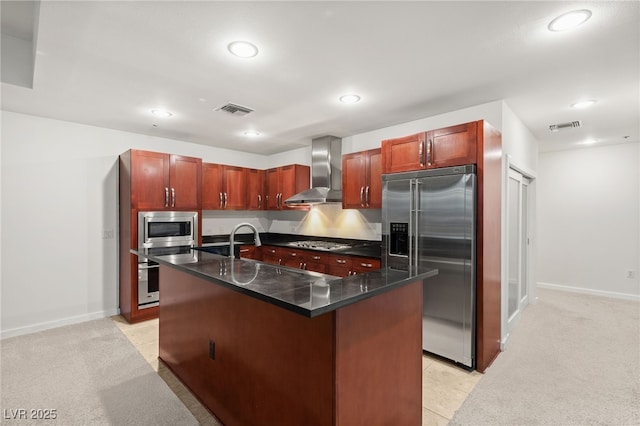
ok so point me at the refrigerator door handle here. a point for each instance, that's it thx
(411, 235)
(416, 226)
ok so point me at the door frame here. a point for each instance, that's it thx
(530, 257)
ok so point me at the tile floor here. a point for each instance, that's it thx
(444, 386)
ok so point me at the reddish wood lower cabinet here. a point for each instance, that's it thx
(251, 362)
(250, 252)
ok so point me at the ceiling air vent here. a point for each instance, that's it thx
(569, 125)
(235, 109)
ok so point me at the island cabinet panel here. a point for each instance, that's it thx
(165, 182)
(362, 180)
(253, 363)
(270, 366)
(284, 182)
(224, 187)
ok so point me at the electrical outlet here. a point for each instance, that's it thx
(107, 234)
(631, 273)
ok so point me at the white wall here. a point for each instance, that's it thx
(589, 220)
(59, 196)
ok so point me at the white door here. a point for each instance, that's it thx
(516, 293)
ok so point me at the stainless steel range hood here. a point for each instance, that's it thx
(326, 173)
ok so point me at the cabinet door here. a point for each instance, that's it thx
(212, 198)
(273, 189)
(255, 189)
(292, 258)
(373, 191)
(185, 177)
(150, 180)
(403, 154)
(234, 188)
(452, 146)
(353, 180)
(294, 178)
(270, 254)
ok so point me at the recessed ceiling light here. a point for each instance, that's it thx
(349, 99)
(590, 141)
(584, 104)
(243, 49)
(163, 113)
(251, 133)
(570, 20)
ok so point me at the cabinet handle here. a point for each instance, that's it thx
(315, 257)
(280, 200)
(272, 251)
(225, 200)
(304, 266)
(366, 196)
(244, 250)
(301, 265)
(173, 197)
(420, 154)
(362, 196)
(366, 265)
(341, 261)
(220, 199)
(294, 254)
(430, 151)
(259, 201)
(166, 196)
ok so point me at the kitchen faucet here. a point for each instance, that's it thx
(232, 237)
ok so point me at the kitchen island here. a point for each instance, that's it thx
(264, 344)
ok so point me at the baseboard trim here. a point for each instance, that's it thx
(601, 293)
(57, 323)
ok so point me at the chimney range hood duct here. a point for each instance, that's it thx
(326, 173)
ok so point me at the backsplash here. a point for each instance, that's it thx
(322, 220)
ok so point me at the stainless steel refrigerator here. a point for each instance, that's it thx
(429, 219)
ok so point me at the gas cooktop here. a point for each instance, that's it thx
(319, 245)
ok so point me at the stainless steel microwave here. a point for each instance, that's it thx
(167, 229)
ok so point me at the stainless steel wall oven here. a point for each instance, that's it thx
(162, 234)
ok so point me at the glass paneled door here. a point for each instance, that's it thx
(516, 292)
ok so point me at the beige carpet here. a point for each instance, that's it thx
(90, 374)
(573, 360)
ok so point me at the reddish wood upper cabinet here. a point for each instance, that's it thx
(284, 182)
(255, 189)
(223, 187)
(450, 146)
(362, 180)
(403, 154)
(165, 182)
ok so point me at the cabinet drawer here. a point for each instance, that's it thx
(361, 264)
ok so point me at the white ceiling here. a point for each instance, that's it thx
(108, 63)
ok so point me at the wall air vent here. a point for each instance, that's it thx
(569, 125)
(235, 109)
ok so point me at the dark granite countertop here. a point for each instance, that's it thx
(363, 248)
(307, 293)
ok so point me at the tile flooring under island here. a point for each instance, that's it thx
(444, 386)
